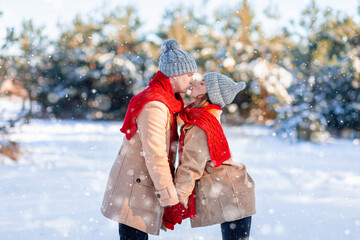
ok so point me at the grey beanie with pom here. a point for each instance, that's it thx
(222, 89)
(175, 61)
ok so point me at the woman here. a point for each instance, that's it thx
(214, 188)
(140, 182)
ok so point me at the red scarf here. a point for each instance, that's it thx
(160, 89)
(217, 143)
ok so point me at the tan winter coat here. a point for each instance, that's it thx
(140, 183)
(222, 194)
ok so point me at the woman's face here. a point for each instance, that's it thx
(198, 90)
(182, 83)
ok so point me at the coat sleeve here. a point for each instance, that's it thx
(195, 155)
(152, 122)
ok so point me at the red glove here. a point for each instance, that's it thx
(173, 215)
(168, 224)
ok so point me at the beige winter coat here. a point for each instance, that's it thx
(222, 194)
(140, 183)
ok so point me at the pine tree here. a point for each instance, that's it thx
(96, 67)
(326, 90)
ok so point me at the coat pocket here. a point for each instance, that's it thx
(244, 189)
(143, 193)
(241, 180)
(208, 207)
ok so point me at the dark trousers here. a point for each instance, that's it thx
(128, 233)
(236, 230)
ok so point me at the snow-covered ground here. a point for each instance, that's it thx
(304, 190)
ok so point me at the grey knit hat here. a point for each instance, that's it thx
(221, 89)
(175, 61)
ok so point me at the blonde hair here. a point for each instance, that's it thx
(203, 102)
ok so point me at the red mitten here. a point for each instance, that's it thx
(174, 214)
(168, 224)
(184, 211)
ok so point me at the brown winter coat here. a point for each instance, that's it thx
(222, 194)
(140, 183)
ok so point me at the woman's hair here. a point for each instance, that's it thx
(205, 100)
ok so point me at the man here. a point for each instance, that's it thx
(140, 183)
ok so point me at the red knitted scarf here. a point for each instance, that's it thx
(217, 143)
(160, 89)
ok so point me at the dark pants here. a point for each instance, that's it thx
(129, 233)
(236, 230)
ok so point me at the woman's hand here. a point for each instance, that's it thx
(173, 215)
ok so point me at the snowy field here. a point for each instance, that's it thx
(304, 190)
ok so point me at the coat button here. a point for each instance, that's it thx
(158, 195)
(138, 180)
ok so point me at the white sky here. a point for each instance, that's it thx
(51, 12)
